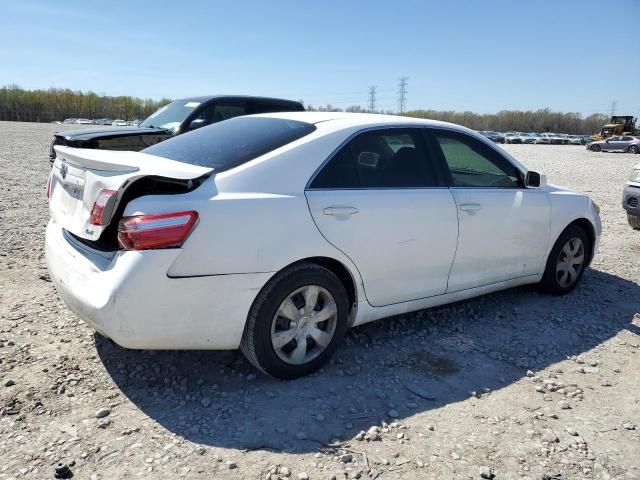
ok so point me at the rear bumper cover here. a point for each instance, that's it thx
(128, 297)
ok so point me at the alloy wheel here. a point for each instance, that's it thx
(304, 324)
(570, 262)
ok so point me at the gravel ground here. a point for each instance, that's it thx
(510, 385)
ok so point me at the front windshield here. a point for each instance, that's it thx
(171, 115)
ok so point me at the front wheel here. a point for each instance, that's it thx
(296, 321)
(595, 148)
(633, 149)
(634, 221)
(567, 261)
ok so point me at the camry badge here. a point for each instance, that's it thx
(63, 170)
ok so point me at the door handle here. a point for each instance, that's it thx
(470, 207)
(340, 210)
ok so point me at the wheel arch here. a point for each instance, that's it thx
(590, 230)
(340, 270)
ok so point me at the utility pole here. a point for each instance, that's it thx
(613, 107)
(402, 93)
(372, 98)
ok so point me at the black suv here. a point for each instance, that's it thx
(177, 117)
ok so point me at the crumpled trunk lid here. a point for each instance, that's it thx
(80, 174)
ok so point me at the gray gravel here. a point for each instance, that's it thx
(478, 389)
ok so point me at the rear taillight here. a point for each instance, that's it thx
(103, 207)
(144, 232)
(49, 185)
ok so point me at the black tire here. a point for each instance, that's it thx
(595, 148)
(634, 221)
(550, 282)
(633, 149)
(256, 342)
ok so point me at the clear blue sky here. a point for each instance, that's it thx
(484, 56)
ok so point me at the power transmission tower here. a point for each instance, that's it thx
(402, 93)
(613, 107)
(372, 98)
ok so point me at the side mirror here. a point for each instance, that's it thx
(535, 180)
(197, 123)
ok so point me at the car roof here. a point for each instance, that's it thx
(343, 120)
(208, 98)
(329, 122)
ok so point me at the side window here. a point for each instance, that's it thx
(266, 107)
(474, 164)
(390, 158)
(218, 112)
(626, 139)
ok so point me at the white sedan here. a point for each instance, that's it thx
(276, 233)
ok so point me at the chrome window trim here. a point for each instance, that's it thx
(345, 142)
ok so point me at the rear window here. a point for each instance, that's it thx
(230, 143)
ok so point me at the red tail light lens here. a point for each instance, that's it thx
(144, 232)
(103, 207)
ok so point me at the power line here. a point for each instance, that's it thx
(402, 93)
(372, 98)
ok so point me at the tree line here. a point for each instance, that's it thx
(17, 104)
(543, 120)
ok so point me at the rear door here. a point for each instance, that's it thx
(503, 227)
(381, 201)
(625, 142)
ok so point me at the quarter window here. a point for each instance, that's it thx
(390, 158)
(474, 164)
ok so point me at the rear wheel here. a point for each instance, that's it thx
(595, 148)
(567, 261)
(633, 149)
(296, 321)
(634, 221)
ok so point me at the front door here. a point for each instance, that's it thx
(381, 202)
(504, 227)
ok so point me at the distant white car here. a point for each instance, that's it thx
(276, 233)
(544, 139)
(119, 123)
(512, 137)
(83, 121)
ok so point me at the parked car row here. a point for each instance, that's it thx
(537, 138)
(101, 121)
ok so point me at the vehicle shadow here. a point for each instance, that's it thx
(394, 367)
